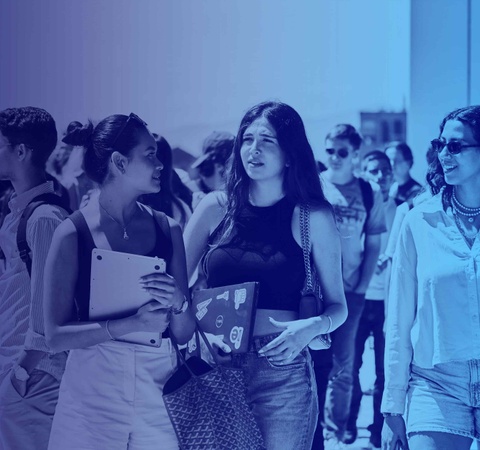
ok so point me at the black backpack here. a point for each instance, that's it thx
(22, 245)
(367, 197)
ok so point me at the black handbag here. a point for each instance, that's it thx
(311, 303)
(208, 406)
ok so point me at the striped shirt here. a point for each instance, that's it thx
(21, 298)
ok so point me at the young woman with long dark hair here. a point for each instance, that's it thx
(252, 233)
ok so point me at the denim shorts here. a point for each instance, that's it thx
(283, 397)
(445, 398)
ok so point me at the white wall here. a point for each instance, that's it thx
(439, 68)
(188, 67)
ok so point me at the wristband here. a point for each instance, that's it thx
(182, 308)
(330, 323)
(108, 331)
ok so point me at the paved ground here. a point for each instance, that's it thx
(367, 377)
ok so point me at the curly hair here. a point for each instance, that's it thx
(470, 116)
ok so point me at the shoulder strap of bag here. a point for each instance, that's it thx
(22, 245)
(181, 356)
(367, 198)
(85, 239)
(162, 221)
(305, 238)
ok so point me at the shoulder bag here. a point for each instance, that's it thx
(311, 303)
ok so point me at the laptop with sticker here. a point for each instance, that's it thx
(226, 311)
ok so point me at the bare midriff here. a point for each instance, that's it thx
(263, 325)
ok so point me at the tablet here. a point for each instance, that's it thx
(115, 291)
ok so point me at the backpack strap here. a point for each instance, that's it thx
(367, 197)
(162, 221)
(22, 244)
(84, 236)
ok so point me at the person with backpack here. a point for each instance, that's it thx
(29, 373)
(111, 392)
(376, 168)
(360, 216)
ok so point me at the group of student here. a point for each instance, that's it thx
(69, 382)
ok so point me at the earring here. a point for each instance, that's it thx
(122, 170)
(287, 164)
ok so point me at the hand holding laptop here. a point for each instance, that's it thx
(116, 292)
(163, 288)
(152, 317)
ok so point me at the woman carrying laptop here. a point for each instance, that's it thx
(111, 392)
(253, 234)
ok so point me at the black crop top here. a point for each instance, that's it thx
(163, 249)
(262, 249)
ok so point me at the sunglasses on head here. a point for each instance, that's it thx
(131, 117)
(453, 147)
(341, 152)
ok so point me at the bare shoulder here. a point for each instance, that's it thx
(214, 200)
(66, 230)
(66, 237)
(322, 223)
(322, 217)
(212, 208)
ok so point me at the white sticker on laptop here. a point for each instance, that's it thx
(240, 297)
(236, 335)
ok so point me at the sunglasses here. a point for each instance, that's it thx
(453, 147)
(132, 117)
(341, 152)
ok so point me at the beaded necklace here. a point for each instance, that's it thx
(463, 210)
(460, 209)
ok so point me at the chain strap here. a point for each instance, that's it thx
(305, 238)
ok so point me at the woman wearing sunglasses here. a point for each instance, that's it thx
(253, 234)
(111, 392)
(432, 357)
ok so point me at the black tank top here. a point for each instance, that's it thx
(261, 248)
(163, 249)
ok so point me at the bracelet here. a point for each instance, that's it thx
(389, 414)
(108, 331)
(330, 325)
(182, 308)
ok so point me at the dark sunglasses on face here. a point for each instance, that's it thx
(341, 152)
(376, 172)
(131, 117)
(453, 147)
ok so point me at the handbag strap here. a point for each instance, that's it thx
(182, 357)
(305, 238)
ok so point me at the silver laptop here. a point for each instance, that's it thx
(115, 291)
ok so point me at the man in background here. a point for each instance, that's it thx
(29, 373)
